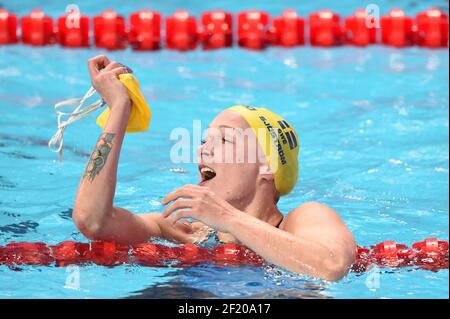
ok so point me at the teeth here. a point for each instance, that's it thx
(207, 169)
(207, 173)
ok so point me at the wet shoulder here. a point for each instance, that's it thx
(309, 213)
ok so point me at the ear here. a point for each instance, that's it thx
(267, 179)
(265, 172)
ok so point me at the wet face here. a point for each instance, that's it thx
(230, 161)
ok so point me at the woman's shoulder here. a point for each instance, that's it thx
(310, 212)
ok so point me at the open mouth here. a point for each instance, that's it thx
(206, 173)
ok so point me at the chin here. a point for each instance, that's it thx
(212, 186)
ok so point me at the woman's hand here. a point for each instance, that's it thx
(183, 231)
(200, 203)
(107, 83)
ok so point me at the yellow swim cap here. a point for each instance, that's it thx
(279, 142)
(140, 112)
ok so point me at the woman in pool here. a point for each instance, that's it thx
(237, 199)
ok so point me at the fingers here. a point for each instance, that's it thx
(113, 65)
(96, 64)
(177, 204)
(120, 70)
(107, 75)
(110, 68)
(114, 68)
(186, 191)
(185, 226)
(184, 213)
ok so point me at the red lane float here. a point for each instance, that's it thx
(432, 29)
(359, 30)
(73, 30)
(397, 29)
(430, 254)
(217, 30)
(234, 255)
(37, 29)
(252, 29)
(288, 30)
(325, 29)
(8, 27)
(70, 253)
(428, 29)
(181, 31)
(26, 254)
(190, 255)
(109, 31)
(390, 253)
(145, 30)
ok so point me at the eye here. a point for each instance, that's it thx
(202, 142)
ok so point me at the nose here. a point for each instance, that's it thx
(206, 149)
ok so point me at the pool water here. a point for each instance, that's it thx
(373, 124)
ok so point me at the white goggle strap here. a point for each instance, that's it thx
(78, 113)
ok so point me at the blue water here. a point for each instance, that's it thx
(373, 125)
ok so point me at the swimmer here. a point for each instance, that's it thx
(237, 200)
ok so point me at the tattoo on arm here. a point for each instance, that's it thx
(99, 156)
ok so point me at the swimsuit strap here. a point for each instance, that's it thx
(278, 225)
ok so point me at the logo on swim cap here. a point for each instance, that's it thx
(278, 141)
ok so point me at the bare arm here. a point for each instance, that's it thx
(312, 239)
(94, 213)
